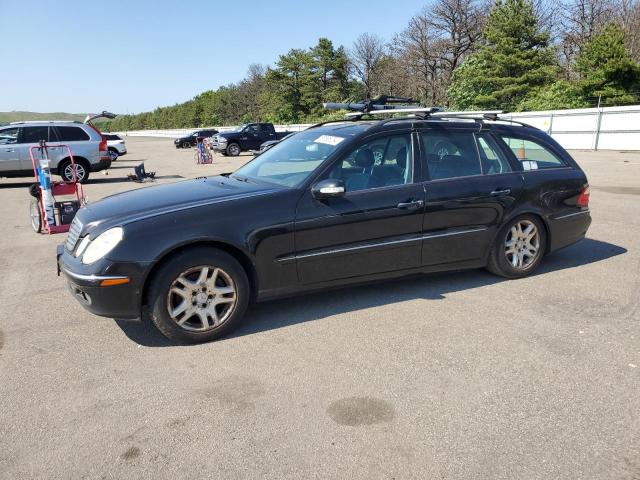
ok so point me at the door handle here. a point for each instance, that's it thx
(497, 193)
(412, 205)
(9, 149)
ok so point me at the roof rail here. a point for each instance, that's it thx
(20, 122)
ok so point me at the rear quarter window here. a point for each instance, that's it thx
(532, 155)
(72, 134)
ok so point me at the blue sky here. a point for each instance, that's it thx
(133, 56)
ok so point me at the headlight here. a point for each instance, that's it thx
(222, 140)
(103, 244)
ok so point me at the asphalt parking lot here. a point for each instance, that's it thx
(456, 376)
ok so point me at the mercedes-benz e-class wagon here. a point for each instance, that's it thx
(337, 204)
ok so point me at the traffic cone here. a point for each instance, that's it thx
(522, 154)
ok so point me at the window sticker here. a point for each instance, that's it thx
(329, 140)
(530, 165)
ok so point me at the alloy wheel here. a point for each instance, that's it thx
(80, 172)
(522, 245)
(201, 298)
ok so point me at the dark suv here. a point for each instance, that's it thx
(336, 204)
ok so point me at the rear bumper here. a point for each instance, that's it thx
(115, 301)
(568, 228)
(103, 164)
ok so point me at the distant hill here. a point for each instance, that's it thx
(7, 117)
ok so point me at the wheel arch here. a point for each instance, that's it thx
(235, 252)
(533, 213)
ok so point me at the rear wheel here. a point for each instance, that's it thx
(518, 248)
(65, 170)
(199, 295)
(35, 212)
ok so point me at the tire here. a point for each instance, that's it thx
(186, 144)
(512, 255)
(189, 266)
(113, 154)
(82, 171)
(233, 150)
(35, 212)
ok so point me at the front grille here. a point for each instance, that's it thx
(74, 232)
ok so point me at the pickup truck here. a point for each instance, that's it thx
(246, 137)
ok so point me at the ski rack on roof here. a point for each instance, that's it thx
(384, 105)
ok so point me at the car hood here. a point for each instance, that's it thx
(227, 134)
(127, 207)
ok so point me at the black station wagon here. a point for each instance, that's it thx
(337, 204)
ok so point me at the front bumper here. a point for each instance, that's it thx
(103, 164)
(85, 282)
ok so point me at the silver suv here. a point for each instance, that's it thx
(88, 146)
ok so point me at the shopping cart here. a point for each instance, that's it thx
(50, 214)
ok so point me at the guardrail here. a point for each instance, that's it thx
(608, 128)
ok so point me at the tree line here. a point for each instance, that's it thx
(459, 54)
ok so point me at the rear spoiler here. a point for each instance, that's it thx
(104, 114)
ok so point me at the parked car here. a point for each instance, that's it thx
(334, 205)
(246, 137)
(270, 143)
(191, 139)
(115, 145)
(88, 145)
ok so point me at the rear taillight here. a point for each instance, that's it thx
(103, 139)
(583, 198)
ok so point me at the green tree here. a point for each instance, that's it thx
(555, 96)
(607, 70)
(513, 58)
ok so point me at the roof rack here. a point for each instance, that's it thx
(385, 105)
(20, 122)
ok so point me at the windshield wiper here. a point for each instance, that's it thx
(240, 178)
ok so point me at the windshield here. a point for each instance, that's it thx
(290, 162)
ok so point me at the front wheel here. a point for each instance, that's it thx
(35, 212)
(199, 295)
(233, 150)
(518, 248)
(113, 154)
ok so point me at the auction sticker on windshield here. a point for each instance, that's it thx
(329, 140)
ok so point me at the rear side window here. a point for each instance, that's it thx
(450, 154)
(492, 158)
(112, 137)
(532, 155)
(71, 134)
(34, 134)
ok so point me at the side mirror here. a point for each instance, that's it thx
(329, 188)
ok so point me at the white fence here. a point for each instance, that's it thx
(609, 128)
